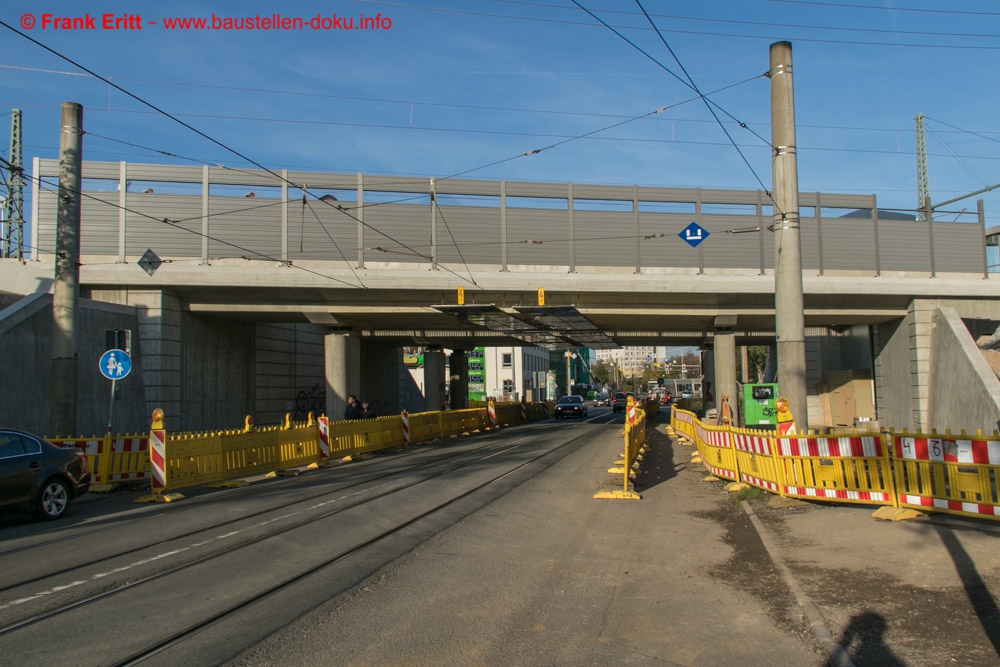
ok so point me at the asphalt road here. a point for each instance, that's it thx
(490, 550)
(546, 575)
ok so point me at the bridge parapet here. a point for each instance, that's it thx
(208, 213)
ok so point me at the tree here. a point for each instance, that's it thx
(601, 372)
(756, 361)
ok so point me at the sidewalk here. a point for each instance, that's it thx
(919, 592)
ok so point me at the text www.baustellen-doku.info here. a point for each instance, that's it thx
(86, 21)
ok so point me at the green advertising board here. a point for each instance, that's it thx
(477, 374)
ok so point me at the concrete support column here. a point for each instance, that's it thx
(920, 321)
(380, 376)
(159, 317)
(725, 369)
(459, 378)
(434, 379)
(708, 378)
(342, 353)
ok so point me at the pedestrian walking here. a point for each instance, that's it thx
(353, 409)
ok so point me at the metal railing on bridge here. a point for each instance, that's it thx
(215, 212)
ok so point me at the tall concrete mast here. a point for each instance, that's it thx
(788, 301)
(66, 289)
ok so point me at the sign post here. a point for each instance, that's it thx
(114, 365)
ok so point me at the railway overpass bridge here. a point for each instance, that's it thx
(246, 285)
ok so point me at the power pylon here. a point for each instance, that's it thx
(923, 187)
(13, 219)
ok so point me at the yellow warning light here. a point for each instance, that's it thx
(461, 296)
(541, 296)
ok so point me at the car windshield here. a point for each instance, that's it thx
(570, 400)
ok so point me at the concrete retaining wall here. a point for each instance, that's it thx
(26, 357)
(965, 392)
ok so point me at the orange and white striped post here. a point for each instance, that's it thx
(323, 424)
(491, 409)
(158, 453)
(406, 427)
(524, 411)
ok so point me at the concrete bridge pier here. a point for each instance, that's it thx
(459, 379)
(434, 379)
(342, 354)
(380, 376)
(725, 369)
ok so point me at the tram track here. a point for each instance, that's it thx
(287, 533)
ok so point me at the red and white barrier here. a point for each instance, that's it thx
(524, 412)
(406, 427)
(158, 459)
(323, 423)
(491, 408)
(753, 444)
(832, 447)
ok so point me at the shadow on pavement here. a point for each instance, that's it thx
(975, 588)
(864, 641)
(658, 462)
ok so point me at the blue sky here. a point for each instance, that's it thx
(452, 86)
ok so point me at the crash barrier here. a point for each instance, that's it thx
(930, 472)
(221, 456)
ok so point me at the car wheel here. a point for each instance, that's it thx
(53, 499)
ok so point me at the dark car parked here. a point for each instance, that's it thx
(39, 476)
(570, 406)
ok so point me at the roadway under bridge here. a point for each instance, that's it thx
(238, 279)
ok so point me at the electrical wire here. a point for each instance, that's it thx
(305, 203)
(768, 24)
(176, 225)
(439, 212)
(690, 84)
(701, 33)
(954, 12)
(710, 106)
(201, 134)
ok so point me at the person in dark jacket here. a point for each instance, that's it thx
(369, 410)
(353, 409)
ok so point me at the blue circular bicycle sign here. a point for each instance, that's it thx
(115, 364)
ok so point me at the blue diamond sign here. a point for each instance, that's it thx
(693, 234)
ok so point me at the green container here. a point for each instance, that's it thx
(758, 405)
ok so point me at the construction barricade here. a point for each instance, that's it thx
(111, 459)
(219, 457)
(957, 475)
(716, 450)
(923, 471)
(635, 444)
(755, 461)
(849, 468)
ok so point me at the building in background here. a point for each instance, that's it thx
(505, 373)
(512, 372)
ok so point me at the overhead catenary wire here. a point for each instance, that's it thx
(771, 24)
(177, 225)
(306, 204)
(703, 33)
(690, 84)
(201, 134)
(710, 106)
